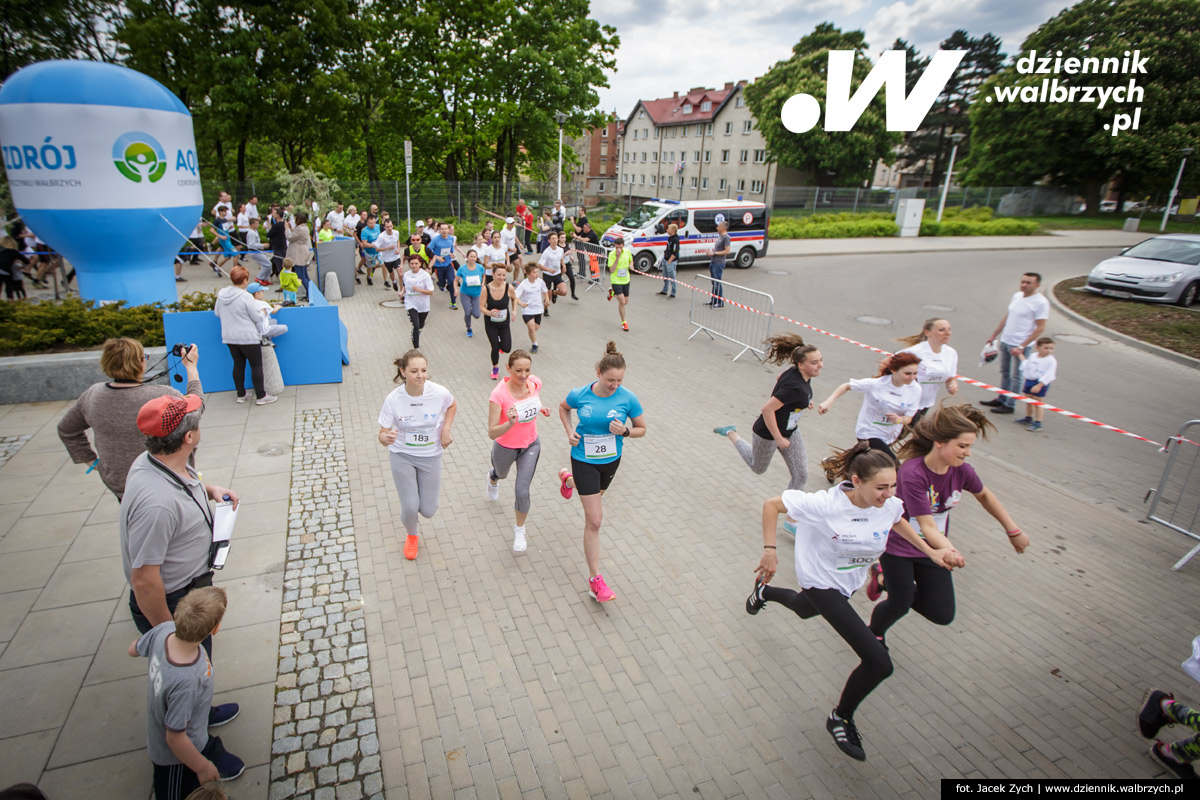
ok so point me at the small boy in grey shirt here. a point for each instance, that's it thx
(178, 697)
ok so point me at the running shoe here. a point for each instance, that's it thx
(564, 475)
(875, 582)
(845, 736)
(266, 400)
(518, 539)
(533, 349)
(387, 284)
(410, 547)
(1035, 427)
(546, 313)
(1161, 753)
(493, 489)
(755, 602)
(724, 430)
(369, 281)
(223, 714)
(243, 398)
(1003, 409)
(1151, 718)
(610, 294)
(470, 333)
(495, 373)
(228, 765)
(599, 590)
(624, 326)
(1025, 420)
(454, 307)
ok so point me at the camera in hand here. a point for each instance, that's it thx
(179, 349)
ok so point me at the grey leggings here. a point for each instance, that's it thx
(470, 307)
(418, 482)
(758, 457)
(526, 459)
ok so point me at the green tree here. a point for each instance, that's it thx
(34, 32)
(830, 157)
(1072, 144)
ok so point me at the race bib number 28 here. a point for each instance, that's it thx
(603, 446)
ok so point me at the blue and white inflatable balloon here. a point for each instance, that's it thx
(101, 163)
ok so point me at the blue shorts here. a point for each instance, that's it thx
(1030, 384)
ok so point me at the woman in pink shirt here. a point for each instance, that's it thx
(512, 423)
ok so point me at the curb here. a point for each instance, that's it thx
(1153, 349)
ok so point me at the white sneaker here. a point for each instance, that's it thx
(265, 400)
(493, 489)
(243, 398)
(518, 539)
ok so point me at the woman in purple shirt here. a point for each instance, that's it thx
(930, 483)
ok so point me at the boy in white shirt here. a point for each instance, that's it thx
(1037, 372)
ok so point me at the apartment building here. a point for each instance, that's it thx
(701, 145)
(593, 179)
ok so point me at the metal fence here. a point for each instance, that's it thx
(1176, 500)
(591, 263)
(729, 313)
(1005, 201)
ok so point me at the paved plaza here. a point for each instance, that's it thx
(477, 672)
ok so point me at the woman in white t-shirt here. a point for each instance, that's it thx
(939, 362)
(418, 286)
(889, 403)
(531, 295)
(493, 253)
(551, 261)
(414, 425)
(840, 533)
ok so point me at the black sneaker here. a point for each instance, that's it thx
(222, 714)
(845, 736)
(228, 765)
(1151, 718)
(369, 283)
(755, 602)
(1161, 753)
(1003, 410)
(993, 402)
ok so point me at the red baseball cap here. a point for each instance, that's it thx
(162, 415)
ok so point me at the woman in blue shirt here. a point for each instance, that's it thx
(608, 413)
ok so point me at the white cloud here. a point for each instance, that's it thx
(900, 20)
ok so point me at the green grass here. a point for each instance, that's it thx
(1167, 326)
(1113, 222)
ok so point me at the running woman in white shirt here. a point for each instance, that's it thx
(513, 409)
(493, 254)
(939, 362)
(889, 402)
(551, 261)
(531, 295)
(414, 425)
(417, 287)
(842, 530)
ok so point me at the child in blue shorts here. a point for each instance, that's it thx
(1038, 371)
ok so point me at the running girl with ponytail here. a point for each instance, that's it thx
(497, 314)
(939, 361)
(608, 414)
(513, 410)
(931, 482)
(777, 426)
(840, 532)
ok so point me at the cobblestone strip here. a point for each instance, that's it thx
(10, 445)
(325, 746)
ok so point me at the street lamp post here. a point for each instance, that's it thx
(1187, 151)
(956, 138)
(560, 118)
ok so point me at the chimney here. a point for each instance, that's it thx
(728, 86)
(675, 96)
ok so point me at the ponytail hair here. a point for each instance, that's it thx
(785, 347)
(944, 424)
(612, 359)
(861, 460)
(917, 338)
(897, 362)
(402, 362)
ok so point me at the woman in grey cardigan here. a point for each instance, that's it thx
(299, 249)
(110, 409)
(240, 315)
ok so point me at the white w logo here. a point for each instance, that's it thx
(802, 111)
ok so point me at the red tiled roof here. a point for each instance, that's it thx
(669, 110)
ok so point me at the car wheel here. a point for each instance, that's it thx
(645, 262)
(745, 258)
(1189, 295)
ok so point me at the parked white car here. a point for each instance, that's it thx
(1165, 269)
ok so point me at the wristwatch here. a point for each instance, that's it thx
(627, 430)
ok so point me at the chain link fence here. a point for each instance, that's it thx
(1005, 201)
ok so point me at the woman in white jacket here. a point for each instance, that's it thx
(239, 315)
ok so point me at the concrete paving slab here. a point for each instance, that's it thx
(31, 463)
(112, 661)
(40, 698)
(57, 635)
(53, 530)
(128, 775)
(29, 569)
(55, 499)
(244, 655)
(83, 582)
(94, 541)
(255, 555)
(249, 736)
(106, 720)
(253, 600)
(9, 514)
(22, 758)
(13, 608)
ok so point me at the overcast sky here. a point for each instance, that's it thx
(674, 45)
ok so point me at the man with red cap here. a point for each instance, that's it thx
(166, 522)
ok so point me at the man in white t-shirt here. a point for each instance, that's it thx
(509, 241)
(223, 201)
(252, 207)
(336, 218)
(1018, 330)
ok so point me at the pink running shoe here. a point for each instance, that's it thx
(874, 587)
(599, 590)
(564, 475)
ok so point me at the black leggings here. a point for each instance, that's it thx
(570, 277)
(500, 336)
(835, 607)
(417, 318)
(243, 354)
(915, 583)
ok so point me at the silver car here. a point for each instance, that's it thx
(1165, 269)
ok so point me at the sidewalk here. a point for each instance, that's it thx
(937, 244)
(492, 675)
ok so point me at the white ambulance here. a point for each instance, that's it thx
(645, 231)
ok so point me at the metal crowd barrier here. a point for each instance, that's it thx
(735, 320)
(1176, 500)
(590, 263)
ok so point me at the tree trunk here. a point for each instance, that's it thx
(1091, 193)
(221, 168)
(372, 165)
(241, 160)
(513, 169)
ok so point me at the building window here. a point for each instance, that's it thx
(624, 179)
(672, 157)
(724, 156)
(693, 183)
(706, 105)
(674, 132)
(747, 126)
(707, 156)
(699, 129)
(645, 133)
(722, 186)
(760, 156)
(642, 114)
(656, 133)
(643, 180)
(653, 178)
(728, 128)
(683, 131)
(687, 108)
(708, 129)
(741, 100)
(603, 135)
(603, 159)
(756, 187)
(604, 148)
(743, 156)
(635, 133)
(741, 184)
(654, 157)
(704, 183)
(643, 158)
(696, 157)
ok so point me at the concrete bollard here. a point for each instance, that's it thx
(272, 376)
(333, 289)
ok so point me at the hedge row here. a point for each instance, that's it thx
(955, 222)
(74, 324)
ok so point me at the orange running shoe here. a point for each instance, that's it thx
(410, 548)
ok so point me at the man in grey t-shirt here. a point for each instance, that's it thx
(716, 267)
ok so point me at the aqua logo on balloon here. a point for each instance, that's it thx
(138, 156)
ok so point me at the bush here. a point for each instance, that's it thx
(833, 226)
(75, 324)
(950, 226)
